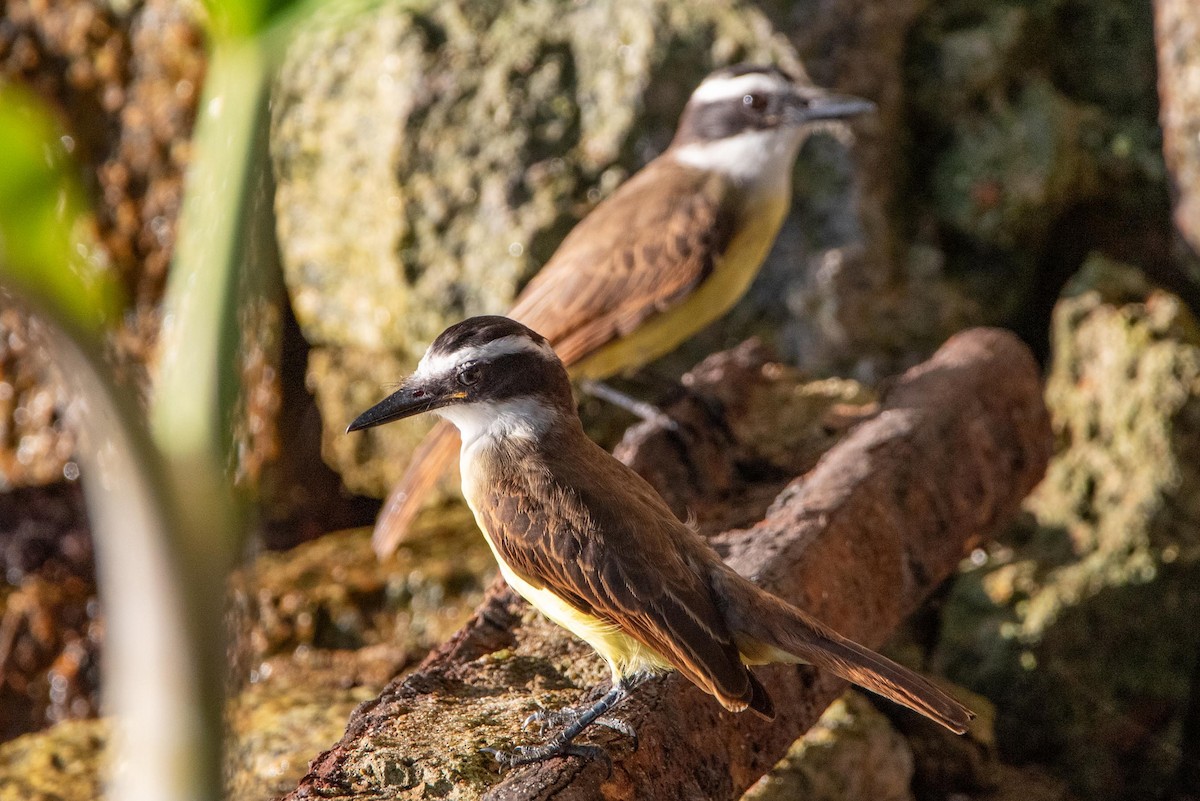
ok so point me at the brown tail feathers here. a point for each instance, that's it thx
(771, 630)
(429, 463)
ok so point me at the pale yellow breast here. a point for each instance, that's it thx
(732, 276)
(623, 654)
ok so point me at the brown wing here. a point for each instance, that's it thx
(640, 252)
(624, 560)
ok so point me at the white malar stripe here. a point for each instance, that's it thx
(442, 363)
(484, 422)
(760, 160)
(722, 88)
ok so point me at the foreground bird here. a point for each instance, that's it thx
(589, 543)
(669, 252)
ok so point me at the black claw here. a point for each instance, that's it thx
(621, 727)
(539, 718)
(502, 757)
(545, 719)
(525, 755)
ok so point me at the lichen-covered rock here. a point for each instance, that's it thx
(1178, 32)
(864, 299)
(428, 162)
(851, 753)
(1034, 136)
(59, 764)
(1081, 626)
(297, 707)
(323, 627)
(333, 593)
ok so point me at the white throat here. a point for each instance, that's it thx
(759, 161)
(484, 423)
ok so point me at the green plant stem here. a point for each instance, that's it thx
(197, 383)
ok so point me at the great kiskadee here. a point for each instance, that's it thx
(669, 252)
(589, 543)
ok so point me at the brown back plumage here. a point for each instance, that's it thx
(639, 253)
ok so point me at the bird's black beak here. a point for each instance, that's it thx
(413, 398)
(811, 108)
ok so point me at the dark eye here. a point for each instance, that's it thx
(468, 374)
(755, 101)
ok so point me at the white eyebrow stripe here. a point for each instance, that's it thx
(439, 364)
(728, 88)
(760, 159)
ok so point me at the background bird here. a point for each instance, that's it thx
(670, 251)
(591, 544)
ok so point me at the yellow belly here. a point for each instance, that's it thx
(623, 654)
(662, 333)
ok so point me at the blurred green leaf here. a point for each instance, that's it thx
(245, 18)
(163, 647)
(41, 205)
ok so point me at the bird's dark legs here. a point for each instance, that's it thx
(576, 720)
(638, 408)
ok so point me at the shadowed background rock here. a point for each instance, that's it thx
(1081, 623)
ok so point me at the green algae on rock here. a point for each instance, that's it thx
(1081, 625)
(62, 763)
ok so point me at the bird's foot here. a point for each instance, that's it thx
(638, 408)
(526, 754)
(574, 721)
(569, 716)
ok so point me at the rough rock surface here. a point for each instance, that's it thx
(747, 424)
(333, 593)
(51, 627)
(851, 754)
(323, 627)
(1033, 140)
(1081, 625)
(60, 764)
(297, 705)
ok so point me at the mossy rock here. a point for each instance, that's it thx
(62, 763)
(1081, 625)
(334, 594)
(1034, 134)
